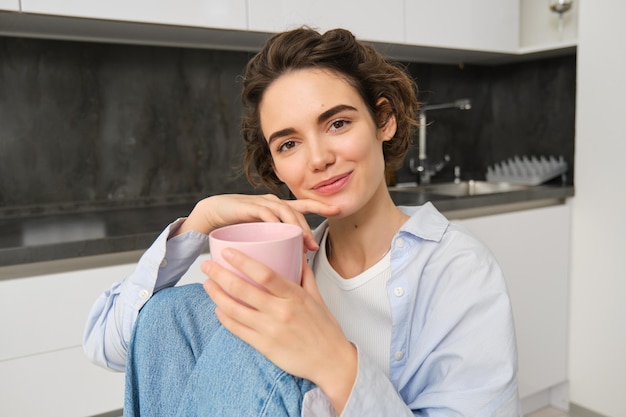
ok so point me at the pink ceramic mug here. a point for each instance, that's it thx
(277, 245)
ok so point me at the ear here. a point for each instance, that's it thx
(385, 120)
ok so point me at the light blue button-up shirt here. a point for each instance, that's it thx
(453, 350)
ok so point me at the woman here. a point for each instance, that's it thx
(399, 311)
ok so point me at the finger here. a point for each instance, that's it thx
(229, 290)
(222, 210)
(215, 292)
(244, 321)
(245, 333)
(309, 242)
(312, 206)
(225, 209)
(212, 287)
(263, 209)
(260, 274)
(271, 207)
(315, 207)
(285, 210)
(231, 313)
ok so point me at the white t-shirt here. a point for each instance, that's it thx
(360, 304)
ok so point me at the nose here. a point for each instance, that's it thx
(321, 154)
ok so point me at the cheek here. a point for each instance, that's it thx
(288, 172)
(371, 150)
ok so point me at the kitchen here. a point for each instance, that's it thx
(604, 401)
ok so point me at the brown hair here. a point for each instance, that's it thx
(336, 50)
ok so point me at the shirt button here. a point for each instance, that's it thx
(399, 242)
(399, 355)
(398, 291)
(163, 263)
(144, 294)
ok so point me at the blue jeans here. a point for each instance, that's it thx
(183, 362)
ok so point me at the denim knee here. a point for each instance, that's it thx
(184, 312)
(173, 299)
(170, 334)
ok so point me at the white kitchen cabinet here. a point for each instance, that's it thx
(368, 19)
(59, 383)
(480, 25)
(539, 26)
(43, 370)
(46, 313)
(436, 31)
(219, 14)
(533, 249)
(13, 5)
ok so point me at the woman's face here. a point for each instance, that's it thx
(323, 140)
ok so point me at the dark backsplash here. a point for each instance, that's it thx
(93, 125)
(519, 109)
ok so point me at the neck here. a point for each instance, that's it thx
(357, 242)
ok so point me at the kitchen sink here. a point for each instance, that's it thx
(461, 189)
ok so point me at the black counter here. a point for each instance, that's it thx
(73, 235)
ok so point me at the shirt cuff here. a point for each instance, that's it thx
(317, 404)
(373, 394)
(163, 264)
(180, 252)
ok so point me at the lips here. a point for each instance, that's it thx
(332, 185)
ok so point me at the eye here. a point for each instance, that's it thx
(338, 124)
(286, 145)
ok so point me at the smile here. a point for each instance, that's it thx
(332, 185)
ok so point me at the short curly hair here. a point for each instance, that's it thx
(336, 50)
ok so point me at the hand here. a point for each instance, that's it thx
(289, 324)
(224, 209)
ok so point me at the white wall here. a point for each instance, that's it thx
(598, 285)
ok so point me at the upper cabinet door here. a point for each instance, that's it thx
(13, 5)
(221, 14)
(370, 20)
(482, 25)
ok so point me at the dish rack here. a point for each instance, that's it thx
(527, 171)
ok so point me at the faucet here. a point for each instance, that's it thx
(425, 169)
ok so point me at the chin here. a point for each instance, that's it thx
(347, 207)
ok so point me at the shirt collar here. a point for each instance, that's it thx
(426, 222)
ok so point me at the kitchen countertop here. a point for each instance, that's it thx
(73, 235)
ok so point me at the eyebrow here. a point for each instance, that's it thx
(320, 119)
(333, 111)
